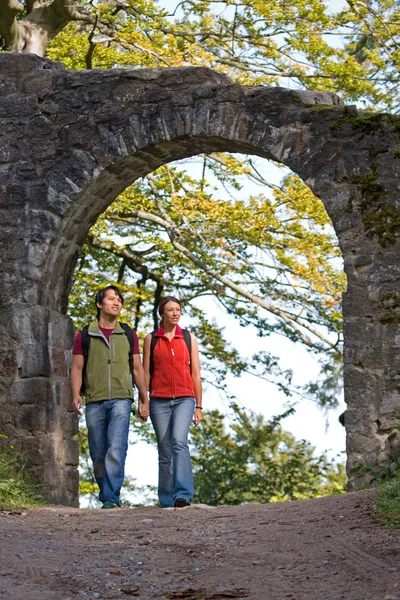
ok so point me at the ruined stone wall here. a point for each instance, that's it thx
(70, 142)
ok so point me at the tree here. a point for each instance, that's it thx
(30, 26)
(267, 260)
(257, 462)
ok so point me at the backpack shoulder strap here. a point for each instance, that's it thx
(129, 334)
(153, 342)
(85, 340)
(188, 340)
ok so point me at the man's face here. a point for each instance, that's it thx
(111, 304)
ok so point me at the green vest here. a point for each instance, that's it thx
(107, 375)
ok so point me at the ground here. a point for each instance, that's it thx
(323, 549)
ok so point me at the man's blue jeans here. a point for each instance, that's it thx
(108, 429)
(171, 418)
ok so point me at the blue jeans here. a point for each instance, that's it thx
(171, 418)
(108, 429)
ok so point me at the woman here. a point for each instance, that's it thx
(173, 372)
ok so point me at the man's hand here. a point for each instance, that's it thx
(144, 409)
(77, 404)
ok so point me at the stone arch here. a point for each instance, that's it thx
(70, 142)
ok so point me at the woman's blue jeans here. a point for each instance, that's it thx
(108, 429)
(171, 418)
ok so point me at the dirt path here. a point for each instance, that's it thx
(327, 549)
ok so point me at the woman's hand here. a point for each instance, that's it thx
(198, 415)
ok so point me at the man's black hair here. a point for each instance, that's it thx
(100, 295)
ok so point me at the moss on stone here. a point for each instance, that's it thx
(322, 107)
(380, 219)
(369, 122)
(349, 206)
(389, 319)
(374, 122)
(390, 299)
(374, 152)
(396, 153)
(391, 303)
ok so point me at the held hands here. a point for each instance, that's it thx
(144, 409)
(77, 404)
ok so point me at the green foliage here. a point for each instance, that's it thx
(257, 462)
(16, 491)
(388, 501)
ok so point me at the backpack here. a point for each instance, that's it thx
(154, 340)
(86, 345)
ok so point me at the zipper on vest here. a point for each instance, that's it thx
(172, 370)
(100, 334)
(109, 373)
(172, 367)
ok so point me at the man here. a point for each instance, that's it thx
(108, 391)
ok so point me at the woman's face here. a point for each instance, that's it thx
(172, 313)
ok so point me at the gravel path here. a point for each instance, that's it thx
(323, 549)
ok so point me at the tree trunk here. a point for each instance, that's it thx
(43, 21)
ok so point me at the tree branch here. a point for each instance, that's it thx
(131, 259)
(293, 321)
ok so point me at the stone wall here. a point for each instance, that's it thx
(70, 142)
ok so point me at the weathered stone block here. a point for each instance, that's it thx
(16, 64)
(31, 391)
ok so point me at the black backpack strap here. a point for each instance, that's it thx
(188, 340)
(129, 334)
(85, 349)
(154, 340)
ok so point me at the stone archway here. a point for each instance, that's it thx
(70, 142)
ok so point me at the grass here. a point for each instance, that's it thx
(16, 491)
(388, 502)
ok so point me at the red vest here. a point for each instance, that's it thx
(171, 376)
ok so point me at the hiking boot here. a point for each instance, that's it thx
(181, 503)
(110, 504)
